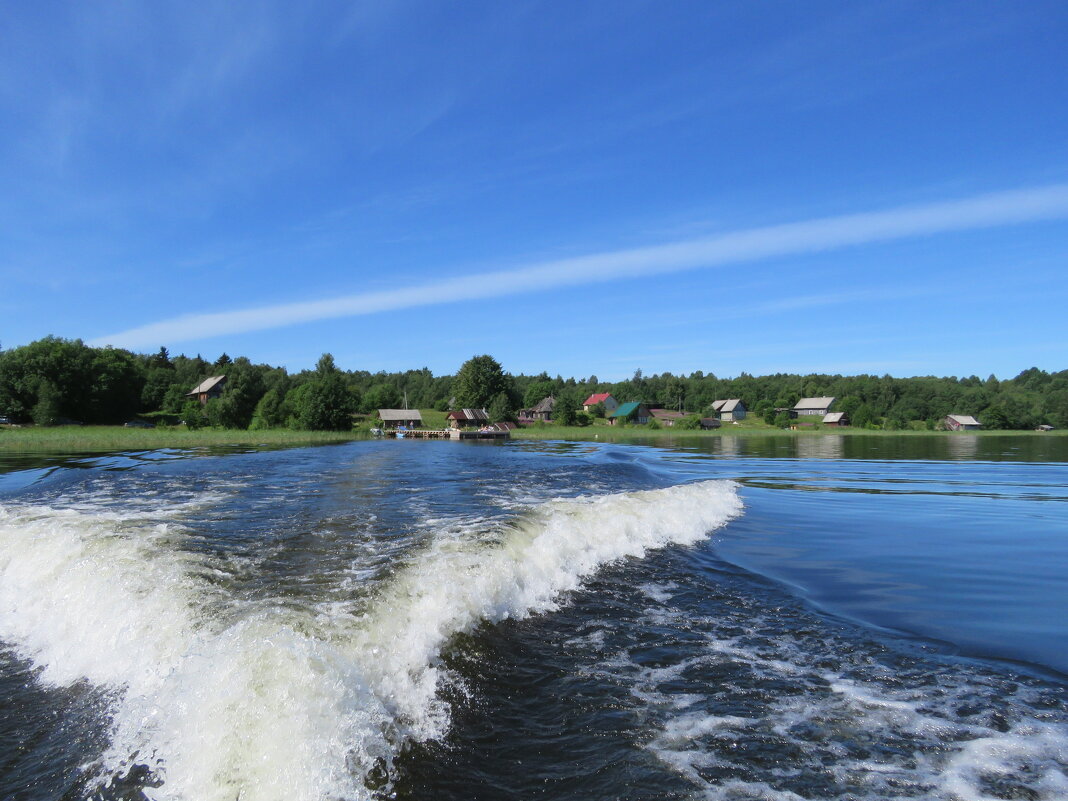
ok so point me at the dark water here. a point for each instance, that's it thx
(811, 618)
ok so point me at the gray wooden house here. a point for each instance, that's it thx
(729, 410)
(811, 407)
(398, 418)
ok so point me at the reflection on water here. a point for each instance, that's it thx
(831, 446)
(934, 446)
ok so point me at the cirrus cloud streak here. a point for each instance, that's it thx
(810, 236)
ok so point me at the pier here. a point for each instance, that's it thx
(445, 433)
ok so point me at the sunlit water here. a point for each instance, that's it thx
(820, 618)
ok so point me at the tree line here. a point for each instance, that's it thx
(56, 380)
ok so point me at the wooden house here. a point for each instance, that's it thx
(467, 418)
(543, 410)
(811, 407)
(961, 422)
(605, 399)
(836, 419)
(633, 412)
(729, 410)
(208, 389)
(400, 418)
(666, 417)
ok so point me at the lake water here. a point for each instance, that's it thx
(784, 618)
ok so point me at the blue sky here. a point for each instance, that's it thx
(572, 187)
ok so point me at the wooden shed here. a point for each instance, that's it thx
(666, 417)
(961, 422)
(398, 418)
(835, 419)
(467, 418)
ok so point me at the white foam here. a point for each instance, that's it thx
(229, 697)
(459, 583)
(87, 597)
(1037, 748)
(874, 734)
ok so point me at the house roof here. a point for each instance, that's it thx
(814, 403)
(726, 405)
(666, 414)
(599, 397)
(389, 415)
(207, 385)
(474, 415)
(963, 419)
(626, 409)
(544, 405)
(833, 417)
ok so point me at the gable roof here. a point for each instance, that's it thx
(474, 415)
(389, 415)
(666, 414)
(545, 405)
(599, 397)
(626, 409)
(813, 403)
(726, 405)
(963, 419)
(207, 385)
(833, 417)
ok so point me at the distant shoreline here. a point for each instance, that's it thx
(98, 439)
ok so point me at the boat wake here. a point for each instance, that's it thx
(219, 695)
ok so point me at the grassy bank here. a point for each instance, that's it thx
(98, 439)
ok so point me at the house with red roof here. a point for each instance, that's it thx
(604, 398)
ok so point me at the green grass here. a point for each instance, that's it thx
(98, 439)
(433, 418)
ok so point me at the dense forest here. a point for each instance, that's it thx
(55, 380)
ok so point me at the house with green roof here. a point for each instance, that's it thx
(633, 412)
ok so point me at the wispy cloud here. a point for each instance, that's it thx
(811, 236)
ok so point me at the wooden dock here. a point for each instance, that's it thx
(445, 433)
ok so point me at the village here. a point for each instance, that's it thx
(476, 423)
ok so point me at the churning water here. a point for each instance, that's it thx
(444, 620)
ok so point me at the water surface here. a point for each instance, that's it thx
(817, 617)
